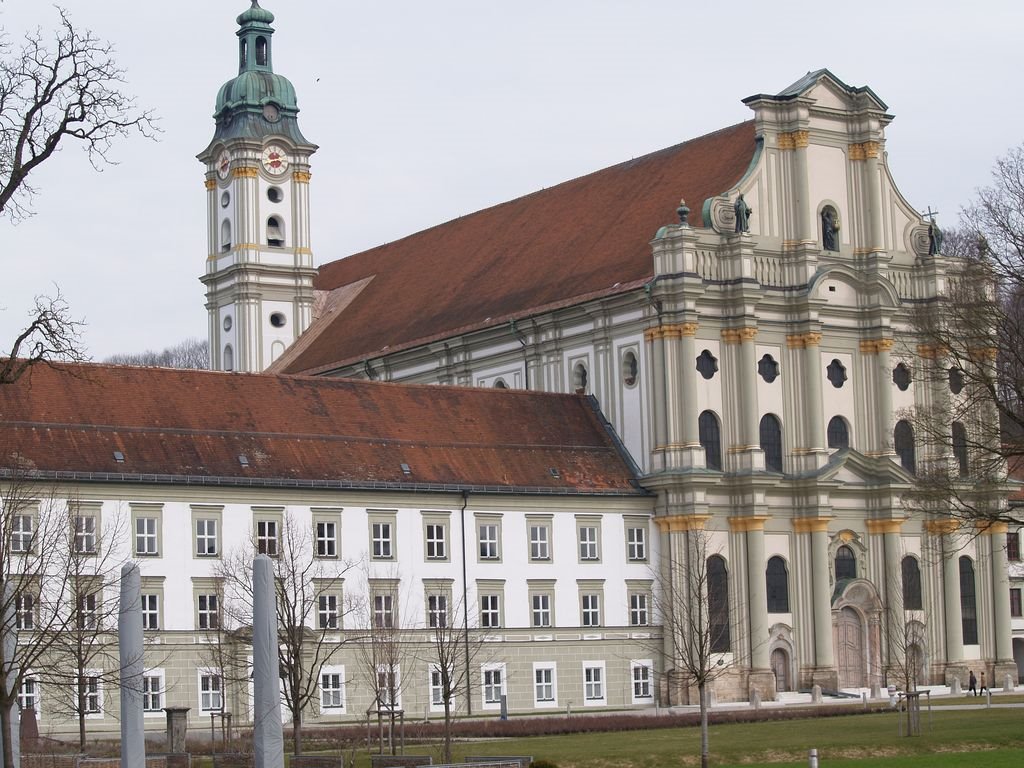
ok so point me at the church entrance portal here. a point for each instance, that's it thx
(850, 647)
(780, 666)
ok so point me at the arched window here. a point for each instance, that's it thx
(225, 236)
(718, 604)
(911, 584)
(579, 378)
(903, 442)
(243, 52)
(846, 564)
(838, 433)
(777, 584)
(710, 439)
(968, 602)
(960, 446)
(500, 384)
(261, 51)
(275, 232)
(771, 442)
(229, 358)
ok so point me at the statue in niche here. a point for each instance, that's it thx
(743, 213)
(829, 228)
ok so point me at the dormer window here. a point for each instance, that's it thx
(275, 232)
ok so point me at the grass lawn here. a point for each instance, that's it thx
(984, 737)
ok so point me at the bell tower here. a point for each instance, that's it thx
(259, 269)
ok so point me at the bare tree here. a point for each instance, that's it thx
(382, 651)
(309, 577)
(54, 89)
(693, 605)
(85, 651)
(51, 335)
(971, 354)
(191, 353)
(43, 572)
(452, 651)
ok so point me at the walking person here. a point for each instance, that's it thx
(983, 686)
(972, 684)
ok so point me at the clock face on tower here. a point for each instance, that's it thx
(223, 163)
(275, 159)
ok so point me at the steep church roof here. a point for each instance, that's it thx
(102, 423)
(583, 239)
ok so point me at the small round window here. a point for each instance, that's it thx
(836, 373)
(707, 364)
(278, 320)
(768, 369)
(274, 194)
(227, 322)
(225, 198)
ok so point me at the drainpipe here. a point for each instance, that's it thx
(521, 338)
(465, 606)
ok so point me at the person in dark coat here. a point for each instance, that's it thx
(972, 684)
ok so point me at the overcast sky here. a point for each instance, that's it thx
(425, 111)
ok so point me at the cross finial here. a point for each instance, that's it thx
(930, 214)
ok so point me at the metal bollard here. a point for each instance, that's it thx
(812, 759)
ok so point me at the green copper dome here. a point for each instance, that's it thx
(255, 14)
(257, 103)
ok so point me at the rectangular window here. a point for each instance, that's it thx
(25, 611)
(206, 537)
(150, 611)
(1013, 546)
(437, 611)
(642, 681)
(436, 688)
(490, 611)
(636, 544)
(488, 541)
(90, 687)
(1015, 604)
(146, 536)
(388, 692)
(85, 534)
(494, 685)
(152, 693)
(28, 694)
(209, 692)
(544, 684)
(208, 611)
(332, 693)
(436, 549)
(384, 611)
(638, 616)
(22, 533)
(591, 605)
(588, 542)
(327, 611)
(267, 537)
(86, 614)
(381, 533)
(541, 610)
(326, 538)
(540, 542)
(593, 684)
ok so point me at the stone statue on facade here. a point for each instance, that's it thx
(743, 214)
(934, 239)
(829, 228)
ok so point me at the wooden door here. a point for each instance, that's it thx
(780, 666)
(850, 649)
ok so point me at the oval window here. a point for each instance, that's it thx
(278, 320)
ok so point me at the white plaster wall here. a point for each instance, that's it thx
(826, 180)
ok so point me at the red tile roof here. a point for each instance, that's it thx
(171, 424)
(582, 239)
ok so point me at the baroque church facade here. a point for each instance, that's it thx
(752, 348)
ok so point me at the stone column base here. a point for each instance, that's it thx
(762, 681)
(958, 670)
(827, 678)
(1000, 670)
